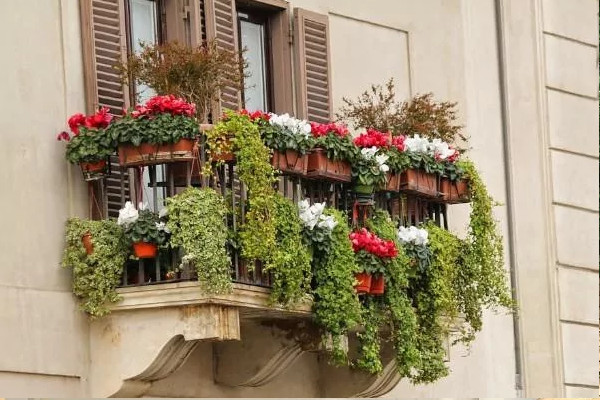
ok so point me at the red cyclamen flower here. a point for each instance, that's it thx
(63, 136)
(318, 129)
(75, 121)
(373, 138)
(398, 142)
(371, 243)
(101, 119)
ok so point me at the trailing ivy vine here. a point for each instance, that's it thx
(290, 262)
(369, 339)
(97, 275)
(336, 306)
(197, 224)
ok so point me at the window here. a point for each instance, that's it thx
(143, 28)
(253, 37)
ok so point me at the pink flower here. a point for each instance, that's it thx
(63, 136)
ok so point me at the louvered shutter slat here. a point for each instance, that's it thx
(313, 78)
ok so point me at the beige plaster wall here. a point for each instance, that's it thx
(43, 337)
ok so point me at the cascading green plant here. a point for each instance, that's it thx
(370, 341)
(196, 220)
(97, 275)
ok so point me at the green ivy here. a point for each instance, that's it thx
(336, 307)
(95, 276)
(290, 263)
(481, 281)
(370, 342)
(197, 224)
(402, 319)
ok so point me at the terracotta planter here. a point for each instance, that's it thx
(86, 239)
(454, 192)
(149, 154)
(93, 170)
(419, 182)
(377, 284)
(392, 182)
(364, 282)
(225, 156)
(145, 250)
(290, 162)
(321, 167)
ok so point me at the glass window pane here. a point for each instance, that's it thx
(143, 30)
(253, 40)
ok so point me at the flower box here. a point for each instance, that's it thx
(377, 284)
(364, 282)
(454, 192)
(419, 182)
(94, 170)
(148, 154)
(290, 162)
(392, 182)
(145, 249)
(321, 167)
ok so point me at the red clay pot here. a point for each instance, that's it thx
(290, 162)
(419, 182)
(364, 282)
(93, 166)
(145, 249)
(454, 192)
(87, 243)
(321, 167)
(377, 284)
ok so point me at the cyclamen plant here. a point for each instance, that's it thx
(370, 167)
(372, 251)
(283, 132)
(317, 225)
(88, 140)
(143, 225)
(335, 140)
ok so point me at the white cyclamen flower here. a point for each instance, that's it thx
(303, 205)
(417, 144)
(127, 215)
(412, 234)
(381, 159)
(422, 237)
(310, 215)
(328, 222)
(369, 152)
(161, 226)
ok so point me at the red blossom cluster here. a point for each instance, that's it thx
(255, 115)
(318, 129)
(373, 138)
(398, 142)
(99, 120)
(165, 104)
(371, 243)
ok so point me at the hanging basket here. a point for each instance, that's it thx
(377, 284)
(419, 182)
(94, 170)
(364, 282)
(455, 192)
(392, 182)
(145, 249)
(290, 162)
(150, 154)
(321, 167)
(225, 156)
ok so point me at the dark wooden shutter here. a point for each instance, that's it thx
(104, 45)
(221, 25)
(312, 61)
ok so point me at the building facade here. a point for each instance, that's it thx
(525, 76)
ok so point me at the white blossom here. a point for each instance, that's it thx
(369, 152)
(381, 159)
(328, 222)
(312, 216)
(412, 234)
(417, 144)
(127, 215)
(293, 125)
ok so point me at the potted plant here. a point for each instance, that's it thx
(454, 186)
(289, 138)
(332, 153)
(162, 130)
(88, 144)
(422, 176)
(144, 229)
(369, 171)
(372, 252)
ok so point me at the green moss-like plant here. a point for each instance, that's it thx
(95, 276)
(336, 306)
(370, 342)
(290, 262)
(481, 281)
(197, 225)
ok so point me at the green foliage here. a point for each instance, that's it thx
(157, 129)
(337, 147)
(366, 171)
(145, 229)
(91, 145)
(95, 276)
(336, 306)
(481, 281)
(370, 263)
(398, 161)
(290, 261)
(197, 225)
(254, 169)
(282, 139)
(369, 358)
(402, 319)
(195, 73)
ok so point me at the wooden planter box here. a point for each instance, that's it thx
(392, 182)
(94, 170)
(419, 182)
(455, 192)
(149, 154)
(290, 162)
(321, 167)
